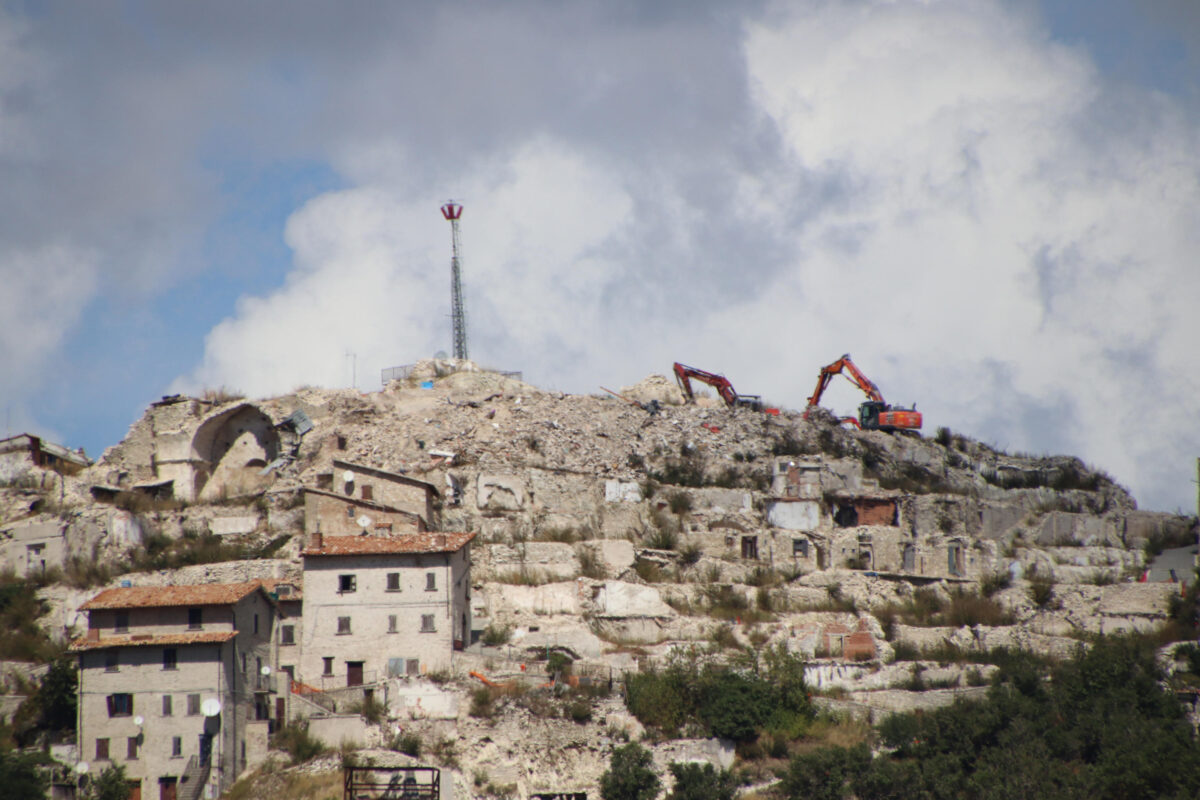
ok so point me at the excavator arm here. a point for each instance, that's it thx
(685, 374)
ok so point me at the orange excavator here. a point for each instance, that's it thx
(685, 375)
(873, 415)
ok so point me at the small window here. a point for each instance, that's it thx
(176, 747)
(347, 584)
(122, 622)
(120, 705)
(393, 581)
(102, 749)
(413, 666)
(800, 547)
(243, 663)
(193, 705)
(341, 442)
(256, 623)
(349, 512)
(427, 623)
(131, 748)
(367, 492)
(170, 658)
(392, 625)
(343, 626)
(287, 634)
(110, 661)
(431, 581)
(195, 619)
(167, 705)
(328, 665)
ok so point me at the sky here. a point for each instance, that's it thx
(993, 205)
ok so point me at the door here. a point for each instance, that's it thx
(167, 788)
(910, 558)
(205, 748)
(354, 673)
(135, 790)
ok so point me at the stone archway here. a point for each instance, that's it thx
(231, 447)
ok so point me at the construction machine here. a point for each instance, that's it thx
(873, 415)
(685, 374)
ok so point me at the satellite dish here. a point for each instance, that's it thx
(266, 670)
(348, 476)
(210, 707)
(364, 521)
(82, 768)
(440, 355)
(139, 720)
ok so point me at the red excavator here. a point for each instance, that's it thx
(873, 415)
(684, 374)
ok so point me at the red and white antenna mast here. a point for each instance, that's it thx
(458, 311)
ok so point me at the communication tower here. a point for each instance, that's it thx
(458, 311)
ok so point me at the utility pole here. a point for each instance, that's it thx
(458, 311)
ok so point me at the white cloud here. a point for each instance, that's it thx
(957, 200)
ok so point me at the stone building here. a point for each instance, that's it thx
(175, 685)
(18, 454)
(352, 491)
(379, 606)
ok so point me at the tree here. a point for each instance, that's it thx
(20, 777)
(57, 695)
(701, 782)
(110, 784)
(629, 775)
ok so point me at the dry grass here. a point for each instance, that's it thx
(292, 785)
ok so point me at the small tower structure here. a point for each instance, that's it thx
(458, 311)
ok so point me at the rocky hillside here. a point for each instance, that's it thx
(613, 538)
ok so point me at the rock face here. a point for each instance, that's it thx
(615, 537)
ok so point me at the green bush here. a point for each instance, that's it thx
(1099, 726)
(630, 775)
(298, 743)
(494, 636)
(20, 776)
(701, 782)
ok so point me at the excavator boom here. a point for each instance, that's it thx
(685, 374)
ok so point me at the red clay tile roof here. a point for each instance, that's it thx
(212, 594)
(387, 545)
(150, 640)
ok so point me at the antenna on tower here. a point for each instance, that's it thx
(458, 311)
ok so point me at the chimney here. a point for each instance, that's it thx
(318, 541)
(93, 634)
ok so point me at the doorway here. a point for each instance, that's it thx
(354, 673)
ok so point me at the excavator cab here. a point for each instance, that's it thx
(868, 415)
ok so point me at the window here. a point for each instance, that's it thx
(392, 623)
(800, 547)
(393, 581)
(131, 748)
(120, 705)
(350, 512)
(343, 626)
(347, 584)
(167, 705)
(176, 747)
(122, 622)
(195, 619)
(256, 623)
(110, 661)
(427, 623)
(193, 705)
(243, 663)
(367, 492)
(102, 749)
(431, 581)
(328, 665)
(287, 634)
(170, 657)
